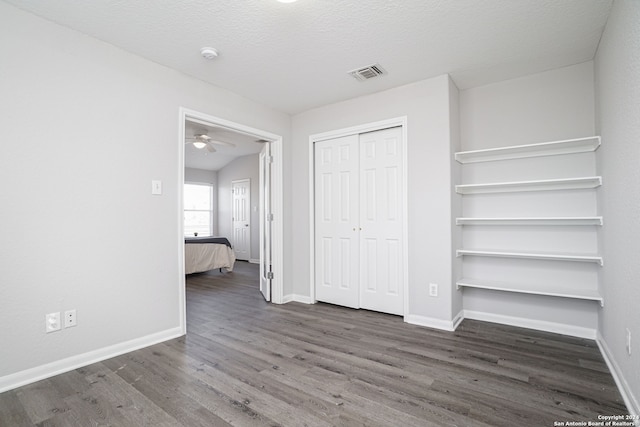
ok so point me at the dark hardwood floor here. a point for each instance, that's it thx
(245, 362)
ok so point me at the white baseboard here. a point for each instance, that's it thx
(627, 394)
(28, 376)
(558, 328)
(254, 261)
(431, 322)
(297, 298)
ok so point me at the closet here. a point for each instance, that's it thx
(359, 206)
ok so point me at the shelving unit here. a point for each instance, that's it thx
(527, 255)
(567, 146)
(573, 284)
(577, 221)
(536, 185)
(554, 291)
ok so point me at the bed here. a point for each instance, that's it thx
(207, 253)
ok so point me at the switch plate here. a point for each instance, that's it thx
(433, 289)
(156, 187)
(69, 318)
(52, 322)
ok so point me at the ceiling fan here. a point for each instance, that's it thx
(202, 140)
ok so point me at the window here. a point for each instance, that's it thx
(198, 210)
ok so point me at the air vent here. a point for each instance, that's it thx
(368, 72)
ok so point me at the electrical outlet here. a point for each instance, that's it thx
(433, 289)
(628, 342)
(52, 322)
(69, 318)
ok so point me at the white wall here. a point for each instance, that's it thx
(553, 105)
(79, 226)
(201, 176)
(426, 105)
(456, 199)
(241, 168)
(557, 104)
(618, 121)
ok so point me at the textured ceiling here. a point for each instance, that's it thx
(294, 57)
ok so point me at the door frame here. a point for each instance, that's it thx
(277, 192)
(367, 127)
(235, 181)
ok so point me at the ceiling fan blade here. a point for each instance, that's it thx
(210, 148)
(228, 144)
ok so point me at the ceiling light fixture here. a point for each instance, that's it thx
(209, 53)
(199, 144)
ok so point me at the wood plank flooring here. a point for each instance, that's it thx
(245, 362)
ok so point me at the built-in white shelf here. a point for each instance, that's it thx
(548, 290)
(531, 255)
(537, 185)
(567, 146)
(590, 220)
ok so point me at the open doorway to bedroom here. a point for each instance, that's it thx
(214, 155)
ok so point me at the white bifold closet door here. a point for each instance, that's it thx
(358, 221)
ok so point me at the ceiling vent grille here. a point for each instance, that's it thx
(368, 72)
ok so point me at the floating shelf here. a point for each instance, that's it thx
(537, 185)
(554, 291)
(591, 220)
(527, 255)
(567, 146)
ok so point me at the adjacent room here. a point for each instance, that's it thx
(320, 213)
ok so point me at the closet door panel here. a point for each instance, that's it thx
(381, 221)
(336, 221)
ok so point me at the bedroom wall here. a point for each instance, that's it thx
(202, 176)
(426, 105)
(548, 106)
(617, 71)
(80, 228)
(240, 168)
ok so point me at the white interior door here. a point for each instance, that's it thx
(336, 221)
(241, 217)
(266, 219)
(381, 213)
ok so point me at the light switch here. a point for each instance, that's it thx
(156, 187)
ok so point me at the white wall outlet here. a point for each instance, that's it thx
(69, 318)
(433, 289)
(628, 342)
(52, 322)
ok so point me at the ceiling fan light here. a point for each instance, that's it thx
(199, 145)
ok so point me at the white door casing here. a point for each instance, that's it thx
(266, 218)
(241, 218)
(336, 225)
(359, 253)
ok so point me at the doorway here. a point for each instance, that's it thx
(275, 190)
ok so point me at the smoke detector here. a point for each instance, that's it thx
(209, 53)
(368, 72)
